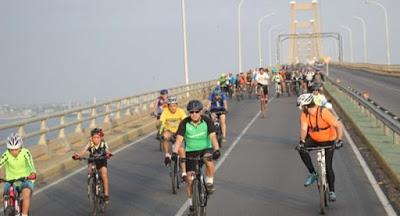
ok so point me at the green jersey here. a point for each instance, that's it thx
(17, 167)
(197, 136)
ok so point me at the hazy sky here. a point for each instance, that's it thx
(60, 50)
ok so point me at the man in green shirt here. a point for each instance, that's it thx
(18, 163)
(200, 139)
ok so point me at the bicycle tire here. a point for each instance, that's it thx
(203, 198)
(92, 197)
(174, 177)
(321, 190)
(9, 211)
(196, 197)
(101, 200)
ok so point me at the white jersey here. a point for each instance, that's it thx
(263, 79)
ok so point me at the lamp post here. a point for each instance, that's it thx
(387, 27)
(364, 35)
(269, 42)
(240, 34)
(351, 42)
(185, 52)
(259, 37)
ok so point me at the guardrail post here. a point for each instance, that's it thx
(118, 114)
(128, 107)
(93, 115)
(78, 128)
(107, 116)
(43, 136)
(21, 130)
(396, 138)
(137, 105)
(385, 129)
(144, 101)
(61, 133)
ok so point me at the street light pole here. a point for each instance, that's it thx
(387, 28)
(364, 35)
(269, 42)
(185, 52)
(240, 34)
(351, 42)
(259, 37)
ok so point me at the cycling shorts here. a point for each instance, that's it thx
(265, 88)
(191, 165)
(19, 186)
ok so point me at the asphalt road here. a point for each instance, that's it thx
(262, 175)
(385, 90)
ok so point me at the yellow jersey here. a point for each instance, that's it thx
(170, 121)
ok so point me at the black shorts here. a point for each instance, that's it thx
(100, 164)
(191, 165)
(265, 88)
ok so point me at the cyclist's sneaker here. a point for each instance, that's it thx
(167, 160)
(332, 196)
(311, 179)
(210, 188)
(191, 210)
(223, 139)
(106, 199)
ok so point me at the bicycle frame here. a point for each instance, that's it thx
(12, 202)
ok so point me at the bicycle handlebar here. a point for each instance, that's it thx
(319, 148)
(91, 159)
(13, 180)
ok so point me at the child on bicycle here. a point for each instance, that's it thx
(98, 147)
(18, 164)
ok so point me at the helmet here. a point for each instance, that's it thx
(98, 131)
(164, 91)
(172, 100)
(304, 99)
(14, 141)
(274, 70)
(194, 105)
(223, 75)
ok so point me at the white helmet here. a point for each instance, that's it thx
(14, 141)
(304, 99)
(172, 100)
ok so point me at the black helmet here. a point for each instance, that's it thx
(194, 105)
(98, 131)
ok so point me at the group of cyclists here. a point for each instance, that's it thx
(193, 132)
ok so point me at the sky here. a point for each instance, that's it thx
(55, 51)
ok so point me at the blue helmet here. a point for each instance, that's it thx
(164, 91)
(217, 90)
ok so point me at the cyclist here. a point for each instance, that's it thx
(18, 164)
(218, 103)
(223, 82)
(262, 79)
(320, 99)
(98, 147)
(170, 119)
(200, 138)
(277, 79)
(232, 83)
(159, 104)
(318, 127)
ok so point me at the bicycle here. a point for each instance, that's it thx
(97, 203)
(12, 201)
(278, 89)
(322, 183)
(199, 190)
(263, 100)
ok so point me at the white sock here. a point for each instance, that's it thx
(167, 155)
(24, 215)
(210, 180)
(190, 201)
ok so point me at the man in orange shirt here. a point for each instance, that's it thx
(318, 127)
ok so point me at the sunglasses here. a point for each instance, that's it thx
(191, 112)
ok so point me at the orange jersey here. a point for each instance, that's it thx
(323, 130)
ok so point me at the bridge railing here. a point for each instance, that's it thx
(383, 117)
(73, 121)
(393, 70)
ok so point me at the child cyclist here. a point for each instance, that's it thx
(18, 164)
(98, 147)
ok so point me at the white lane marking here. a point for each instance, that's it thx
(381, 196)
(85, 167)
(222, 159)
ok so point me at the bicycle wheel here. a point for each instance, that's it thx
(174, 176)
(101, 199)
(9, 211)
(322, 194)
(92, 197)
(196, 197)
(203, 198)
